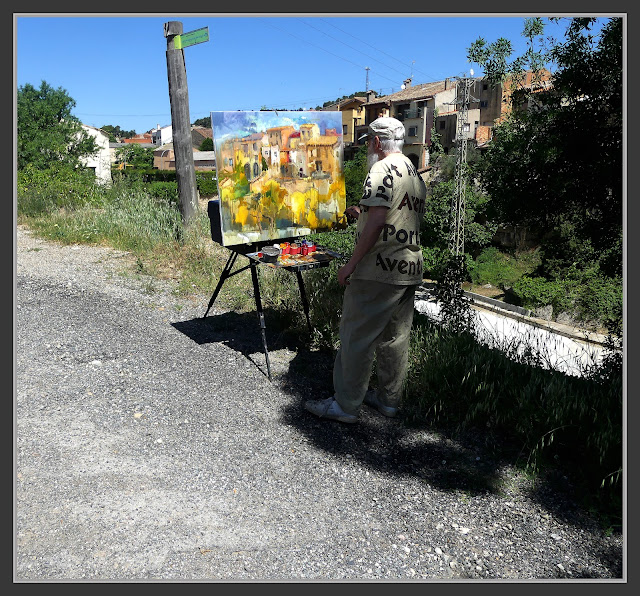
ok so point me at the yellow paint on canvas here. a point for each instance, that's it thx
(242, 215)
(312, 220)
(298, 205)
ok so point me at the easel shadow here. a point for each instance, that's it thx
(240, 332)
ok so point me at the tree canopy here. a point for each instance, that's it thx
(206, 122)
(48, 134)
(115, 132)
(558, 165)
(134, 155)
(206, 145)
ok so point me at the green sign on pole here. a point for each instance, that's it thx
(191, 38)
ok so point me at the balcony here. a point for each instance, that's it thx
(408, 114)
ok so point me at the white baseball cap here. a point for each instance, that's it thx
(385, 128)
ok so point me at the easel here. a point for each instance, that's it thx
(250, 251)
(253, 265)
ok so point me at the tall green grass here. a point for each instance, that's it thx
(456, 381)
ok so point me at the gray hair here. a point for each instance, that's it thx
(392, 145)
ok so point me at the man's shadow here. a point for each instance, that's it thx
(471, 463)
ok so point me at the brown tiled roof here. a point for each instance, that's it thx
(256, 136)
(356, 99)
(414, 92)
(324, 140)
(207, 133)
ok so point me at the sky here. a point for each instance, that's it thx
(114, 66)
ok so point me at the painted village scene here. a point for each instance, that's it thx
(280, 174)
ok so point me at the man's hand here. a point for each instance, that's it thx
(344, 273)
(352, 213)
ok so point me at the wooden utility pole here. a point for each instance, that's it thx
(181, 124)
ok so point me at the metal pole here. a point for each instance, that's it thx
(180, 122)
(456, 221)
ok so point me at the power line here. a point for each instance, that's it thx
(323, 49)
(379, 50)
(351, 47)
(120, 115)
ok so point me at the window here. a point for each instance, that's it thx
(485, 86)
(344, 129)
(484, 103)
(442, 124)
(413, 131)
(401, 109)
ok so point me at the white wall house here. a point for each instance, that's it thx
(99, 162)
(162, 135)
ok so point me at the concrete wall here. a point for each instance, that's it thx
(100, 162)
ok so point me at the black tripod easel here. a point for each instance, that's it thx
(253, 265)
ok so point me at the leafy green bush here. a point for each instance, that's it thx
(58, 187)
(207, 183)
(538, 291)
(164, 191)
(501, 269)
(355, 172)
(340, 241)
(591, 298)
(435, 260)
(160, 175)
(600, 299)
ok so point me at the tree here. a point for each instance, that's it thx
(355, 172)
(206, 122)
(134, 155)
(559, 165)
(115, 132)
(48, 134)
(206, 145)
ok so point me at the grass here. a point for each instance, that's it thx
(455, 381)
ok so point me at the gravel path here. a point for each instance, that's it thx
(149, 445)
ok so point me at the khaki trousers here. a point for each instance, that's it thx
(376, 321)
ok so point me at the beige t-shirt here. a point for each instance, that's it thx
(396, 257)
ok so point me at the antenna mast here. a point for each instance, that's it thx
(456, 216)
(367, 85)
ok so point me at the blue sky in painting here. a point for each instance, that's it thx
(239, 124)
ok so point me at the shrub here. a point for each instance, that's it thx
(207, 183)
(600, 299)
(340, 241)
(164, 191)
(355, 172)
(591, 297)
(435, 260)
(538, 291)
(502, 269)
(59, 187)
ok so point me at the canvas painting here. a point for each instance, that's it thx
(280, 174)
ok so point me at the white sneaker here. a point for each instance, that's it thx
(329, 408)
(371, 399)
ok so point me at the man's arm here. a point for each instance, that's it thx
(377, 216)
